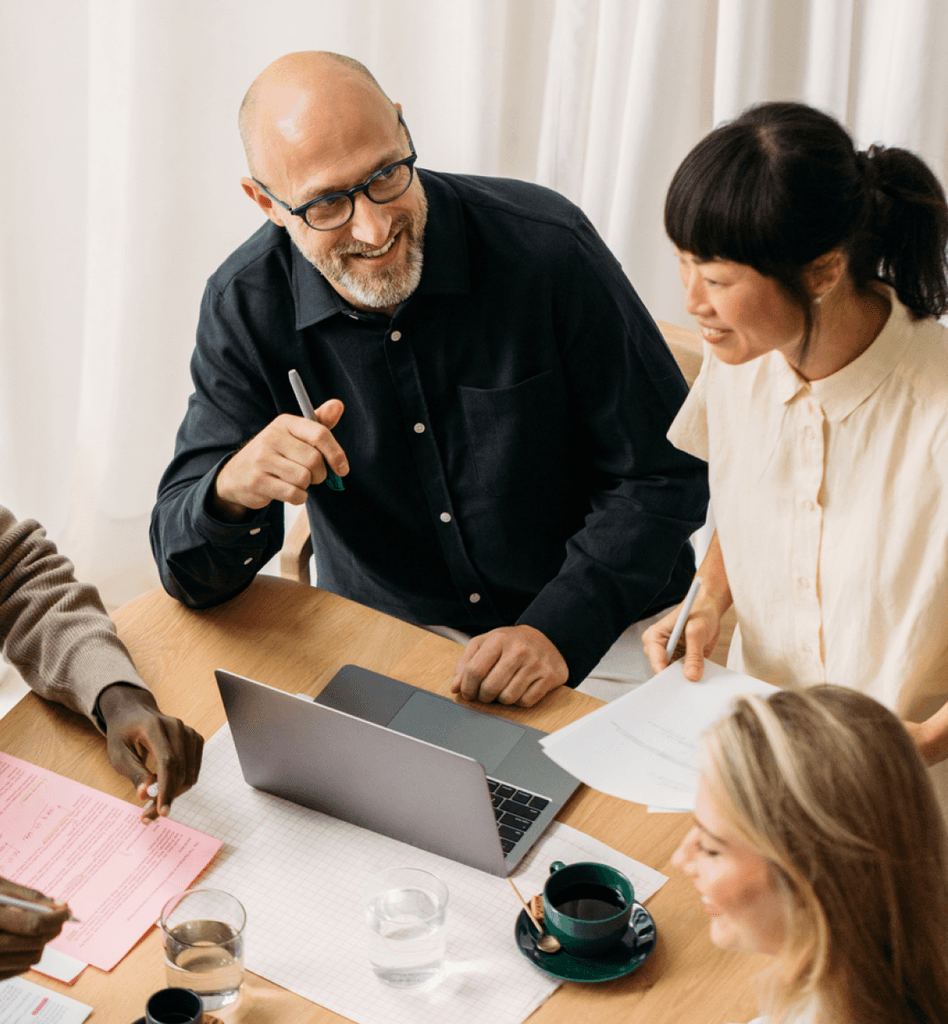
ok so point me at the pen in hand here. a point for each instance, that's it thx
(682, 617)
(37, 908)
(333, 481)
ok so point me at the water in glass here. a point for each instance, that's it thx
(207, 957)
(406, 936)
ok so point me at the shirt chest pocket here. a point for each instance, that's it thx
(517, 434)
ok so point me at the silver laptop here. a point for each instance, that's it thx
(400, 761)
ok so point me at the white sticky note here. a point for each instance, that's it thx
(60, 966)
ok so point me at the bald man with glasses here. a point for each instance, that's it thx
(487, 385)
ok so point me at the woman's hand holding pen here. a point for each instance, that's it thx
(24, 933)
(703, 626)
(698, 638)
(281, 462)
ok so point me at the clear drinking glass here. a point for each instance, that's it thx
(203, 935)
(405, 909)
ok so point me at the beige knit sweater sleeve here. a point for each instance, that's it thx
(53, 628)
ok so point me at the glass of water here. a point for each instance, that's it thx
(405, 910)
(203, 935)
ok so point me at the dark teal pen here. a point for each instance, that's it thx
(333, 480)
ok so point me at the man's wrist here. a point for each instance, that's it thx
(227, 511)
(223, 508)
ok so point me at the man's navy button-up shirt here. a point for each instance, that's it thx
(505, 429)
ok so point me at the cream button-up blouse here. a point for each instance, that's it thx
(831, 504)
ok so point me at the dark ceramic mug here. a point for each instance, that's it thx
(587, 906)
(174, 1006)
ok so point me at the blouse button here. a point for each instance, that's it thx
(396, 335)
(419, 428)
(474, 598)
(445, 517)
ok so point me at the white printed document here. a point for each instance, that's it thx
(644, 746)
(21, 1000)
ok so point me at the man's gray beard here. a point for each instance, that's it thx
(382, 290)
(385, 288)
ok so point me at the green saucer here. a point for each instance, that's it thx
(632, 950)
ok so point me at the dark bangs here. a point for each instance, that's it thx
(712, 209)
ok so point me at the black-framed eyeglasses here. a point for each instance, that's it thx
(331, 211)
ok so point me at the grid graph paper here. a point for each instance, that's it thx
(300, 874)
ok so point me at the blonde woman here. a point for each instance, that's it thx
(818, 841)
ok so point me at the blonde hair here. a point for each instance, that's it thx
(827, 785)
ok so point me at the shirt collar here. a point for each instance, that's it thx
(849, 387)
(445, 270)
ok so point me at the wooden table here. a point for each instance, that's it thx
(296, 637)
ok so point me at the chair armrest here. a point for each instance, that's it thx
(685, 346)
(297, 550)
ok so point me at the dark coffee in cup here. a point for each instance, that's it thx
(589, 901)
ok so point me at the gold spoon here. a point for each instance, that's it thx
(545, 943)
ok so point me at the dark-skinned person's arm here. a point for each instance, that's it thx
(55, 631)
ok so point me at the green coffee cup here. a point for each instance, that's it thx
(587, 906)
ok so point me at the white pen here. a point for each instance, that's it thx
(683, 616)
(333, 480)
(38, 908)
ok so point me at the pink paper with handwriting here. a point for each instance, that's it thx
(76, 844)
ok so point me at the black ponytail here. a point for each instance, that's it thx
(904, 232)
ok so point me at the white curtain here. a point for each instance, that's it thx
(121, 159)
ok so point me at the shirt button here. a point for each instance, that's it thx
(445, 517)
(807, 649)
(804, 583)
(396, 335)
(247, 561)
(255, 531)
(808, 505)
(353, 316)
(474, 598)
(419, 428)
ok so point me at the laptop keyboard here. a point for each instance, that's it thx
(515, 810)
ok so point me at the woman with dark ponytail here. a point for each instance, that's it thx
(817, 274)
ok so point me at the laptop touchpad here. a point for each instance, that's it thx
(486, 738)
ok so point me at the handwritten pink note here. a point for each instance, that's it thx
(76, 844)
